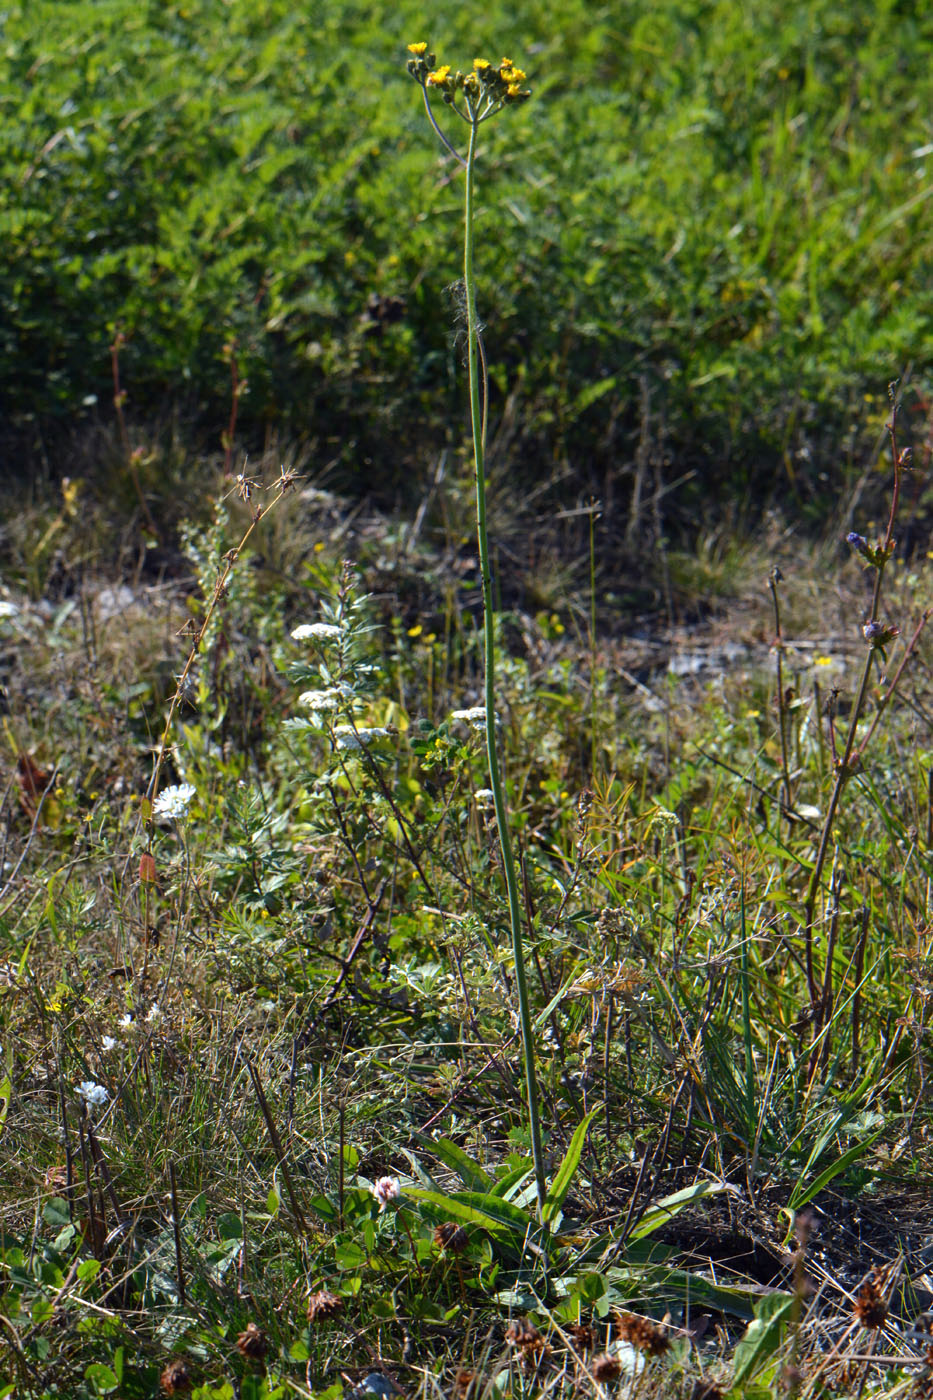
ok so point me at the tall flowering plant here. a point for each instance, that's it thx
(475, 97)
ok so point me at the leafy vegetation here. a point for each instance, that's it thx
(727, 206)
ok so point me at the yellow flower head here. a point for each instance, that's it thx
(514, 75)
(439, 77)
(514, 90)
(481, 64)
(417, 49)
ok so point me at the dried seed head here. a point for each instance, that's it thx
(606, 1369)
(323, 1305)
(644, 1335)
(707, 1390)
(252, 1343)
(522, 1333)
(451, 1237)
(175, 1380)
(582, 1336)
(532, 1349)
(467, 1383)
(870, 1309)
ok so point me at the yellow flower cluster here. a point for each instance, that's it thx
(496, 86)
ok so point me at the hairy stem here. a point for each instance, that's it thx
(489, 641)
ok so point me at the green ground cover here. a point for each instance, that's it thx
(720, 211)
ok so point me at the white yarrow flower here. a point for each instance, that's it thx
(92, 1093)
(475, 716)
(485, 797)
(346, 737)
(317, 632)
(173, 802)
(319, 699)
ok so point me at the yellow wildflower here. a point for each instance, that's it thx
(514, 90)
(439, 78)
(481, 64)
(417, 49)
(514, 75)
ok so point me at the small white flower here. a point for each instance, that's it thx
(317, 632)
(346, 737)
(108, 1042)
(173, 802)
(485, 797)
(475, 716)
(155, 1014)
(386, 1189)
(8, 609)
(319, 699)
(125, 1022)
(92, 1093)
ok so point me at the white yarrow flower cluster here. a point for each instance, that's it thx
(94, 1094)
(348, 738)
(485, 797)
(320, 699)
(474, 716)
(173, 802)
(317, 632)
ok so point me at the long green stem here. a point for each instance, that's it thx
(489, 639)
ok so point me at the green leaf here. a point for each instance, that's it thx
(801, 1196)
(557, 1191)
(763, 1336)
(473, 1177)
(230, 1226)
(664, 1210)
(505, 1185)
(499, 1217)
(101, 1378)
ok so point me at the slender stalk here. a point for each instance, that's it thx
(773, 580)
(852, 754)
(489, 650)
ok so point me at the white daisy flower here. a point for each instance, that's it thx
(92, 1093)
(173, 802)
(317, 632)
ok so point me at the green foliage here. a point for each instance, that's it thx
(726, 206)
